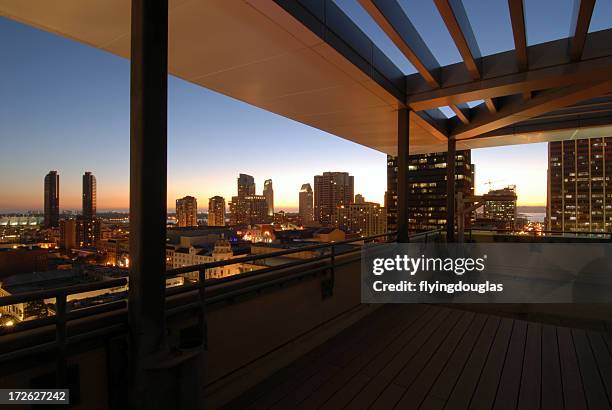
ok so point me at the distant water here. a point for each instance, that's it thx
(535, 216)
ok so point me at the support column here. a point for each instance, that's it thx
(403, 141)
(148, 213)
(450, 190)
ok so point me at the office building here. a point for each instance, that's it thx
(268, 192)
(362, 218)
(51, 200)
(427, 189)
(500, 207)
(580, 185)
(216, 211)
(306, 210)
(187, 212)
(331, 190)
(68, 234)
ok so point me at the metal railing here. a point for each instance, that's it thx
(60, 319)
(544, 234)
(63, 315)
(221, 289)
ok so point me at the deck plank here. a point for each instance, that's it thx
(415, 365)
(441, 390)
(552, 388)
(604, 360)
(286, 381)
(573, 392)
(531, 381)
(484, 396)
(510, 382)
(431, 358)
(422, 379)
(591, 379)
(371, 352)
(369, 394)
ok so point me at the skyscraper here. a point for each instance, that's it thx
(249, 210)
(246, 185)
(306, 205)
(216, 211)
(580, 185)
(89, 195)
(268, 192)
(51, 199)
(331, 190)
(187, 211)
(427, 188)
(88, 226)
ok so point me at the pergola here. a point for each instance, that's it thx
(308, 61)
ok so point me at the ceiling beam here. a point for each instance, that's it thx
(517, 17)
(553, 68)
(490, 105)
(462, 111)
(434, 122)
(581, 19)
(391, 18)
(517, 109)
(459, 27)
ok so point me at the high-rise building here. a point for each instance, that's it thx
(580, 185)
(187, 211)
(268, 192)
(51, 199)
(362, 218)
(87, 225)
(331, 190)
(68, 234)
(306, 205)
(249, 210)
(216, 211)
(246, 185)
(89, 195)
(500, 207)
(427, 189)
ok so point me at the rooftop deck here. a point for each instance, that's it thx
(428, 357)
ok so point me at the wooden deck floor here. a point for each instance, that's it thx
(427, 357)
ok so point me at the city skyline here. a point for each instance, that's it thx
(43, 100)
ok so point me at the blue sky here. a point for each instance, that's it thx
(65, 106)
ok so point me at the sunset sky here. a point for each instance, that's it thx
(65, 107)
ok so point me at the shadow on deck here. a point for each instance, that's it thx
(428, 357)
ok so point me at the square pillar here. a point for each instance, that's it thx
(403, 142)
(148, 213)
(450, 189)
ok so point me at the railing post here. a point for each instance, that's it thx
(60, 338)
(403, 145)
(202, 313)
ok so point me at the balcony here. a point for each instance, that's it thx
(297, 335)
